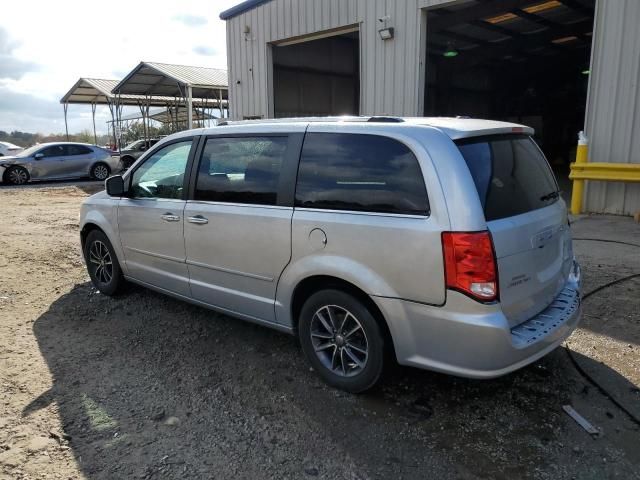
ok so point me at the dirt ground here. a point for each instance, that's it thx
(143, 386)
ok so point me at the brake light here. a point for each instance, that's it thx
(470, 264)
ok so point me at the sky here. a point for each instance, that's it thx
(46, 46)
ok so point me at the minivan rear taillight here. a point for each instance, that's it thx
(470, 264)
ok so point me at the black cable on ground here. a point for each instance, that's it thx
(610, 284)
(573, 360)
(607, 241)
(600, 388)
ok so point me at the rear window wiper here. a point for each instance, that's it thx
(550, 196)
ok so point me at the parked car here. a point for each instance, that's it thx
(443, 242)
(8, 149)
(49, 161)
(134, 150)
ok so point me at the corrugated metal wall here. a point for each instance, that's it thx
(390, 70)
(613, 115)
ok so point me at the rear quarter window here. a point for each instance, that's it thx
(78, 150)
(510, 173)
(357, 172)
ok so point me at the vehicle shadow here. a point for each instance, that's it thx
(88, 185)
(149, 387)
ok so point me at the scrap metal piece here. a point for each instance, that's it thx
(580, 420)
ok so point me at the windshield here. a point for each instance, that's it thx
(511, 174)
(133, 145)
(29, 151)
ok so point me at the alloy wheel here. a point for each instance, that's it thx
(17, 176)
(100, 258)
(339, 340)
(100, 172)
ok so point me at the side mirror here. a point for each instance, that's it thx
(115, 186)
(38, 156)
(143, 148)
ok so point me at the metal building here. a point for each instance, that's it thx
(560, 66)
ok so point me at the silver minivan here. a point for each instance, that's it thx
(442, 243)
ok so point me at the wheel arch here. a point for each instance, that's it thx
(95, 219)
(8, 168)
(130, 159)
(310, 285)
(100, 162)
(86, 230)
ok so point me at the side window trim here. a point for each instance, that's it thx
(288, 174)
(195, 141)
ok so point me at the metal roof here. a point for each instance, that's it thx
(162, 79)
(90, 90)
(241, 8)
(99, 91)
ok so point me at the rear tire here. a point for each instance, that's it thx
(16, 175)
(102, 263)
(126, 162)
(342, 340)
(100, 171)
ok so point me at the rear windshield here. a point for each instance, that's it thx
(511, 174)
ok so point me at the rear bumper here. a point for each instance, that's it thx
(468, 339)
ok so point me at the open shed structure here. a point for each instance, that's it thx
(94, 92)
(150, 79)
(168, 116)
(178, 89)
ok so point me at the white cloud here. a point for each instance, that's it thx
(46, 46)
(205, 50)
(191, 20)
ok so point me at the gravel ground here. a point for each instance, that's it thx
(143, 386)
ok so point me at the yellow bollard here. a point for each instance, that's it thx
(582, 156)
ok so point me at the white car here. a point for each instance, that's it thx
(9, 149)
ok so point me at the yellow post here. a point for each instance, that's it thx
(582, 156)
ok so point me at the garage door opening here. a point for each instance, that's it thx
(521, 61)
(318, 77)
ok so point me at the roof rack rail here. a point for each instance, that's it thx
(383, 119)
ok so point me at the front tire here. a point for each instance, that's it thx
(102, 263)
(16, 175)
(342, 340)
(100, 171)
(126, 162)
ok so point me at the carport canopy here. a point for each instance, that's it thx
(98, 91)
(164, 115)
(150, 79)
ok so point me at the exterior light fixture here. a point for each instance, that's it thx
(586, 72)
(451, 51)
(387, 33)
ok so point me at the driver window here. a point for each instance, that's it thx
(53, 151)
(162, 174)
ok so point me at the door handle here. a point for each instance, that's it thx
(170, 217)
(198, 220)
